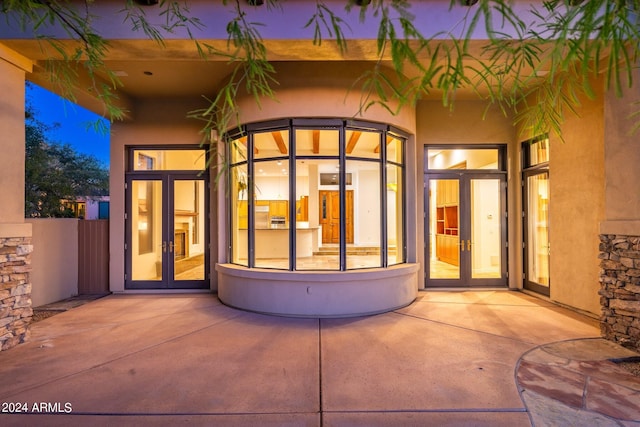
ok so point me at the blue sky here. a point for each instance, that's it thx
(73, 122)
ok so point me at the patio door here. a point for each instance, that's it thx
(467, 229)
(166, 245)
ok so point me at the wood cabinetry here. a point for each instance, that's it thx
(278, 208)
(447, 214)
(302, 209)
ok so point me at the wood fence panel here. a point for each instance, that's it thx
(93, 257)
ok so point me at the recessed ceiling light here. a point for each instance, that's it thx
(121, 73)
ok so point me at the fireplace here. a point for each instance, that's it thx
(180, 241)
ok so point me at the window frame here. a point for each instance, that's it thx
(292, 126)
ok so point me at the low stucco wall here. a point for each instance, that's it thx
(54, 260)
(318, 294)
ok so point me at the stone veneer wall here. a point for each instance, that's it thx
(15, 290)
(620, 289)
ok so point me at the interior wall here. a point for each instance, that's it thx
(155, 122)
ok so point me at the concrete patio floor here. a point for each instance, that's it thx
(483, 358)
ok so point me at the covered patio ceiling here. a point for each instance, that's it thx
(148, 70)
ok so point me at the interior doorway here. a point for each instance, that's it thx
(330, 216)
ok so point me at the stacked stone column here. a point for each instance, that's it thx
(620, 289)
(15, 290)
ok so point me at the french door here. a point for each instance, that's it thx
(466, 225)
(166, 231)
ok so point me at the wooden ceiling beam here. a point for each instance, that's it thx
(243, 139)
(316, 141)
(277, 137)
(355, 136)
(389, 139)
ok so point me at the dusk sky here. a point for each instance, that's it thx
(73, 122)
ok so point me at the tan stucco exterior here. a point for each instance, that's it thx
(470, 122)
(12, 87)
(577, 203)
(593, 174)
(621, 160)
(155, 122)
(54, 259)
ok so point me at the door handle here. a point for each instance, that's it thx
(461, 244)
(468, 245)
(164, 246)
(171, 247)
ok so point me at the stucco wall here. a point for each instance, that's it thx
(622, 157)
(13, 135)
(576, 186)
(155, 122)
(309, 89)
(470, 123)
(54, 259)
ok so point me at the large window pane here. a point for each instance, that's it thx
(537, 247)
(395, 215)
(486, 237)
(537, 152)
(188, 245)
(394, 149)
(316, 246)
(444, 229)
(317, 142)
(271, 144)
(239, 215)
(238, 148)
(362, 144)
(147, 160)
(146, 236)
(463, 158)
(363, 202)
(271, 214)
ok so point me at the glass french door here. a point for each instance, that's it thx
(466, 225)
(537, 250)
(166, 245)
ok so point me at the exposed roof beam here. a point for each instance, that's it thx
(377, 149)
(243, 139)
(316, 141)
(277, 137)
(355, 136)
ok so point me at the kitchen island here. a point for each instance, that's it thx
(273, 242)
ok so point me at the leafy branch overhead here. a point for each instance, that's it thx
(538, 63)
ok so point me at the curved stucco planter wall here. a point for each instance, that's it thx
(319, 90)
(317, 294)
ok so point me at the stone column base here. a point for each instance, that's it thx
(15, 284)
(620, 289)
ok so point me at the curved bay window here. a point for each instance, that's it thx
(316, 195)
